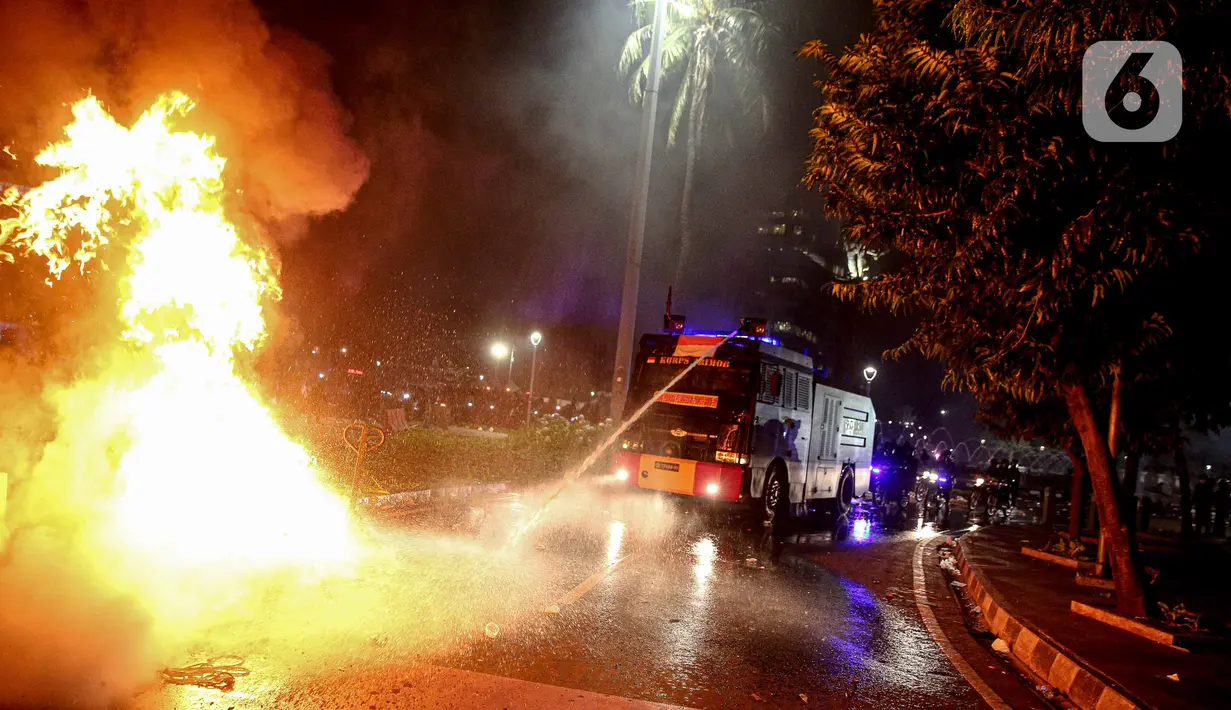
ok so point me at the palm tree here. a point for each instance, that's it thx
(702, 40)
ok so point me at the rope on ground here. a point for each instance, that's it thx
(219, 672)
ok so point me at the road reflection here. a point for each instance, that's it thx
(706, 551)
(615, 539)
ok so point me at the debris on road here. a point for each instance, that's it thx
(219, 673)
(999, 646)
(492, 630)
(1048, 692)
(957, 584)
(553, 609)
(1173, 676)
(756, 696)
(804, 698)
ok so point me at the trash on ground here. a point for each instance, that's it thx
(889, 595)
(958, 584)
(1173, 676)
(1048, 692)
(999, 646)
(492, 630)
(755, 696)
(219, 673)
(553, 609)
(803, 697)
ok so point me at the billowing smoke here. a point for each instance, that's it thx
(68, 634)
(263, 92)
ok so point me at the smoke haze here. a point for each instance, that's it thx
(263, 92)
(72, 632)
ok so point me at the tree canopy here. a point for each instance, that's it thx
(1039, 262)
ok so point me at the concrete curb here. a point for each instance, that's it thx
(394, 500)
(1047, 658)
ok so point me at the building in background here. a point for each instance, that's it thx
(799, 253)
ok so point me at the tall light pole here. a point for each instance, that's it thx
(869, 374)
(636, 228)
(499, 352)
(535, 338)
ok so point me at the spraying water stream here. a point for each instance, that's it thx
(574, 473)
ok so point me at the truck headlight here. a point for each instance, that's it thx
(622, 474)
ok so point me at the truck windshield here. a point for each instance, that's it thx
(723, 390)
(704, 417)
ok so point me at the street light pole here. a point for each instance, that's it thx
(499, 350)
(535, 338)
(636, 229)
(512, 351)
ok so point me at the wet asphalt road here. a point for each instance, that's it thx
(612, 595)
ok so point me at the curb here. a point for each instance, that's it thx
(1062, 668)
(924, 604)
(393, 500)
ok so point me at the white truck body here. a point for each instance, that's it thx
(814, 429)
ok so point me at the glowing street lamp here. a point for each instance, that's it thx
(535, 338)
(500, 351)
(869, 374)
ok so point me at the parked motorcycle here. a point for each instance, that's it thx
(933, 490)
(893, 476)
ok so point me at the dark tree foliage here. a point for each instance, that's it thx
(1039, 262)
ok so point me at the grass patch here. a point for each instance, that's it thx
(432, 458)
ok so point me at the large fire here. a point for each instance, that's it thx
(174, 461)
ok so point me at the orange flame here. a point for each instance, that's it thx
(200, 471)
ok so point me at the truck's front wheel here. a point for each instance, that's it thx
(775, 496)
(844, 502)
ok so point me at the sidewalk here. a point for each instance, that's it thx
(1027, 603)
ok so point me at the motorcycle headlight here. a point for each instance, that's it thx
(978, 482)
(933, 477)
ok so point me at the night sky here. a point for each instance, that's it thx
(501, 146)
